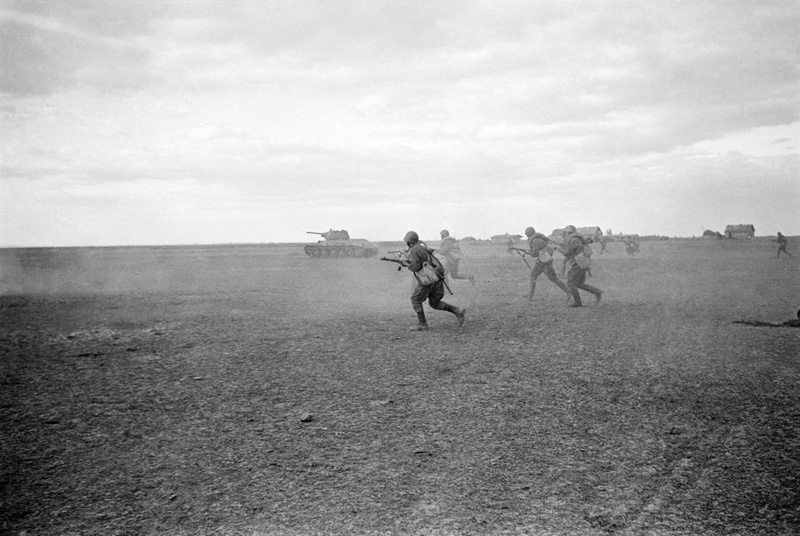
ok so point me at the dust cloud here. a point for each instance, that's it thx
(349, 286)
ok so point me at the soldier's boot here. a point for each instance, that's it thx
(576, 298)
(594, 290)
(563, 286)
(533, 291)
(458, 312)
(422, 323)
(460, 315)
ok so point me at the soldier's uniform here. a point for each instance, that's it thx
(452, 257)
(630, 246)
(782, 243)
(603, 244)
(417, 255)
(543, 262)
(576, 277)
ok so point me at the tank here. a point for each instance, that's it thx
(337, 243)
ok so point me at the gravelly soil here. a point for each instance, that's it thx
(252, 390)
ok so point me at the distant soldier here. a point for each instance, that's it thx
(782, 243)
(603, 243)
(578, 262)
(542, 254)
(631, 247)
(417, 255)
(452, 257)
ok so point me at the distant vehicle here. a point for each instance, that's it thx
(337, 243)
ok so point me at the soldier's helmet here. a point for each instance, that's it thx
(411, 238)
(570, 229)
(529, 231)
(444, 232)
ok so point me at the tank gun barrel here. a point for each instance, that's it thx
(314, 232)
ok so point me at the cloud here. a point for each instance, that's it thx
(41, 55)
(347, 110)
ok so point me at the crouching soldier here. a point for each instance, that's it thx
(452, 256)
(782, 243)
(542, 261)
(430, 282)
(578, 263)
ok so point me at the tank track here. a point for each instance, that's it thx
(339, 251)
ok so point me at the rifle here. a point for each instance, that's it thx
(521, 253)
(404, 263)
(401, 262)
(547, 239)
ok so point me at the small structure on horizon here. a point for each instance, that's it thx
(505, 239)
(708, 233)
(629, 236)
(742, 230)
(589, 232)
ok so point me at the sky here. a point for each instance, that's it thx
(205, 122)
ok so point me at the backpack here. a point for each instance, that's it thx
(584, 258)
(429, 274)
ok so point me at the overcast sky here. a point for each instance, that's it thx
(183, 122)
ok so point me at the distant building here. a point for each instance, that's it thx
(589, 232)
(468, 240)
(504, 239)
(708, 233)
(742, 230)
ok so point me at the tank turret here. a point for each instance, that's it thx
(333, 235)
(337, 243)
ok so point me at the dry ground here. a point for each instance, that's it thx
(253, 390)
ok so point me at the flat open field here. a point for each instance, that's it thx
(253, 390)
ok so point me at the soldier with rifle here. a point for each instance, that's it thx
(573, 250)
(541, 251)
(782, 243)
(418, 259)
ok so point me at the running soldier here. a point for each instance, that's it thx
(782, 243)
(603, 245)
(631, 246)
(452, 257)
(578, 266)
(418, 254)
(542, 255)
